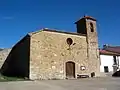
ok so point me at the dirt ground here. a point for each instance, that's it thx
(81, 84)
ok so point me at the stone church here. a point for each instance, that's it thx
(53, 54)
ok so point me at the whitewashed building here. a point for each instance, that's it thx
(109, 59)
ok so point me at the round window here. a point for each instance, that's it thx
(69, 41)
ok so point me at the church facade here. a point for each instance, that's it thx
(52, 54)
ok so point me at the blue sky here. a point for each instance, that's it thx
(18, 17)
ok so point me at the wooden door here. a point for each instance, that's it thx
(70, 69)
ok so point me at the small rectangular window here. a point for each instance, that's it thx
(106, 69)
(114, 60)
(91, 27)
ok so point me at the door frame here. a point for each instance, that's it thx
(74, 69)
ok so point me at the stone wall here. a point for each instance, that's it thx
(93, 50)
(3, 55)
(49, 52)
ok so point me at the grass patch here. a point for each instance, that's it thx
(5, 78)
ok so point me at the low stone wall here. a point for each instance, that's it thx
(3, 55)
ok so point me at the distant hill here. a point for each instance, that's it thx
(1, 49)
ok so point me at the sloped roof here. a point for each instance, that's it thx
(57, 31)
(115, 49)
(89, 17)
(110, 50)
(105, 52)
(86, 17)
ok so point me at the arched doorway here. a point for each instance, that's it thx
(70, 69)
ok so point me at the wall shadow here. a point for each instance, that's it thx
(116, 74)
(17, 62)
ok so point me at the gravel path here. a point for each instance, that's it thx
(81, 84)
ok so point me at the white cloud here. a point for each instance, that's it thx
(7, 17)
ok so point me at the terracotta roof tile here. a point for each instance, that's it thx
(89, 17)
(105, 52)
(115, 49)
(85, 17)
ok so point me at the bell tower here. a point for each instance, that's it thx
(87, 26)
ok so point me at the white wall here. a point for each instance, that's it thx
(106, 60)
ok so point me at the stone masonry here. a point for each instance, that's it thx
(49, 53)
